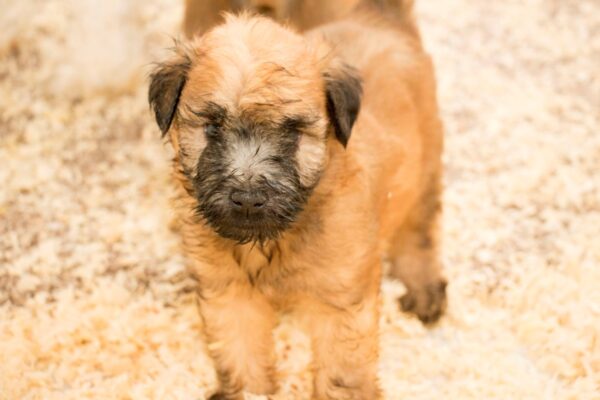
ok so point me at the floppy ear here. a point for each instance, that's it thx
(343, 88)
(166, 83)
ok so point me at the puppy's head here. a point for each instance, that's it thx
(251, 109)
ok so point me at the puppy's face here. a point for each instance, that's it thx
(249, 108)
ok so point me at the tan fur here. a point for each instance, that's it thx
(377, 197)
(201, 15)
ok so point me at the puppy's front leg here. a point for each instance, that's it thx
(238, 324)
(345, 350)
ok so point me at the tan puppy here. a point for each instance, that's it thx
(289, 198)
(201, 15)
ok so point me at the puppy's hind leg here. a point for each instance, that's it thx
(414, 254)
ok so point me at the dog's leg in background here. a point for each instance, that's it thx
(238, 324)
(345, 345)
(415, 260)
(201, 15)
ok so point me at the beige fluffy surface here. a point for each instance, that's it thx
(94, 303)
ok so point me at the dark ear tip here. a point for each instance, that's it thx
(343, 87)
(166, 83)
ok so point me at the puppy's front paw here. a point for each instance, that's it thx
(427, 302)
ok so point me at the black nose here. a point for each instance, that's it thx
(249, 201)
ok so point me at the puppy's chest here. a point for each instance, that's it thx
(265, 267)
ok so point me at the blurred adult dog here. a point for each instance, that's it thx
(289, 196)
(201, 15)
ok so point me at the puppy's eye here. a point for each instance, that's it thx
(211, 130)
(295, 125)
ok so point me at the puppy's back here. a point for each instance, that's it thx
(398, 127)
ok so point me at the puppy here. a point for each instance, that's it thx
(200, 15)
(300, 162)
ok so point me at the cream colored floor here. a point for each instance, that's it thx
(93, 300)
